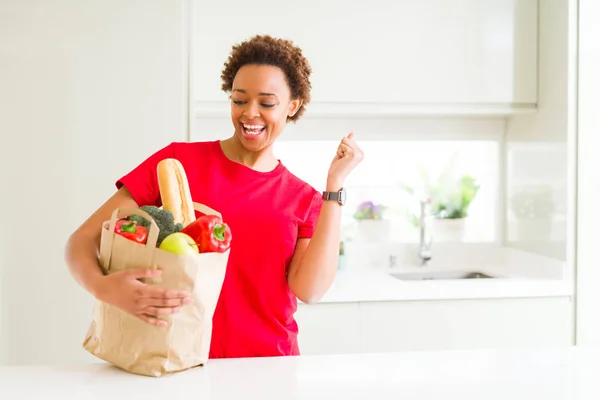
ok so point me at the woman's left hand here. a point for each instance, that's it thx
(347, 157)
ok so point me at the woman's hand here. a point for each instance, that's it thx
(348, 156)
(123, 290)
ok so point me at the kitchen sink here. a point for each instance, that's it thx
(434, 275)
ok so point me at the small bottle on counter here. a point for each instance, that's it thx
(342, 257)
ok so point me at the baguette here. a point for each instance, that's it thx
(175, 191)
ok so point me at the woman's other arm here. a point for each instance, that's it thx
(315, 260)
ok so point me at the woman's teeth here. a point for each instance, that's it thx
(253, 129)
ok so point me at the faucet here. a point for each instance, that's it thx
(424, 247)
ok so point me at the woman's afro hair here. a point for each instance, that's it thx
(266, 50)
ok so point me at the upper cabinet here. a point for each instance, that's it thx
(385, 55)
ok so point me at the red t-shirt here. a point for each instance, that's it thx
(267, 213)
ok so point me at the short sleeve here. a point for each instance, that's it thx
(142, 181)
(307, 227)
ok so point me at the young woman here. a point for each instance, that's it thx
(286, 234)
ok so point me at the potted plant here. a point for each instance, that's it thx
(533, 209)
(450, 202)
(372, 226)
(449, 199)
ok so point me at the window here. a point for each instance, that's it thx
(389, 166)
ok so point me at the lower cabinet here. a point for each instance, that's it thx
(329, 328)
(332, 328)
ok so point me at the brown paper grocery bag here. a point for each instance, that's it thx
(136, 346)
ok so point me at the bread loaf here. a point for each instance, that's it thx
(175, 191)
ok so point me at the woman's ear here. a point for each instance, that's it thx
(294, 106)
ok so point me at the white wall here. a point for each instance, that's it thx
(3, 322)
(588, 259)
(88, 90)
(536, 145)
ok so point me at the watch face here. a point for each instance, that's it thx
(343, 196)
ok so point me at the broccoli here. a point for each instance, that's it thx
(163, 218)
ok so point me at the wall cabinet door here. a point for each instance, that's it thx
(417, 52)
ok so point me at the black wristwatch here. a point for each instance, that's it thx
(340, 196)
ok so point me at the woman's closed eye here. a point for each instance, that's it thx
(240, 102)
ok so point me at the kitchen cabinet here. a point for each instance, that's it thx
(435, 325)
(329, 328)
(384, 56)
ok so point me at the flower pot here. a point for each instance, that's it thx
(533, 230)
(448, 230)
(373, 230)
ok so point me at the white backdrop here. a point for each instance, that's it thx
(88, 90)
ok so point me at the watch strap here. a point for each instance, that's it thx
(339, 196)
(332, 196)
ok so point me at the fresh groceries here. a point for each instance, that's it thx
(210, 233)
(206, 234)
(179, 231)
(130, 230)
(179, 243)
(164, 220)
(175, 191)
(148, 236)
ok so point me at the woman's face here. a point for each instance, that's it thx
(260, 105)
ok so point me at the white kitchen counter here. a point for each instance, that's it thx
(551, 374)
(521, 275)
(363, 286)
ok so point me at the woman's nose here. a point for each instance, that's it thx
(251, 110)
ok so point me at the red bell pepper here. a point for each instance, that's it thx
(210, 233)
(130, 230)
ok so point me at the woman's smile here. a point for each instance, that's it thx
(252, 131)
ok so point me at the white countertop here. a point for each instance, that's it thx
(551, 374)
(521, 275)
(362, 286)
